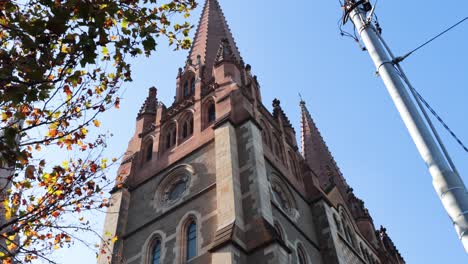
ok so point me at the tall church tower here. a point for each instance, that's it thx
(217, 178)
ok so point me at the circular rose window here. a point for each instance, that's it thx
(177, 190)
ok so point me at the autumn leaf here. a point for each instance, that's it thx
(96, 123)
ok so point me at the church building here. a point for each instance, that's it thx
(216, 178)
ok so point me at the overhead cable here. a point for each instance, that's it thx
(399, 59)
(436, 115)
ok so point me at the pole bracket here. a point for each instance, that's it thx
(382, 64)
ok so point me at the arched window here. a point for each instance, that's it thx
(187, 127)
(148, 150)
(191, 240)
(279, 230)
(282, 197)
(265, 133)
(156, 254)
(277, 148)
(337, 223)
(211, 113)
(301, 256)
(292, 163)
(170, 136)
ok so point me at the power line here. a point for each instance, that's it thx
(432, 39)
(436, 115)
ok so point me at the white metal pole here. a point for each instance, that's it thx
(448, 185)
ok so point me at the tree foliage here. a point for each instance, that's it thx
(62, 63)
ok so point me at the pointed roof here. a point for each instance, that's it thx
(151, 103)
(317, 154)
(213, 36)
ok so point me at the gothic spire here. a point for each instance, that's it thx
(213, 36)
(316, 152)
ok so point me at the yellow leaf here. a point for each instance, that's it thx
(125, 23)
(11, 247)
(7, 208)
(52, 133)
(96, 123)
(64, 49)
(56, 114)
(65, 165)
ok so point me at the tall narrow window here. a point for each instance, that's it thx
(186, 89)
(168, 141)
(279, 231)
(185, 130)
(265, 133)
(171, 136)
(191, 240)
(301, 256)
(292, 163)
(157, 252)
(149, 151)
(187, 127)
(211, 113)
(190, 126)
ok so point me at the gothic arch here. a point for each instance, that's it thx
(301, 253)
(181, 237)
(338, 223)
(348, 227)
(147, 147)
(186, 125)
(148, 246)
(265, 133)
(280, 230)
(188, 82)
(208, 112)
(169, 136)
(293, 164)
(278, 147)
(283, 197)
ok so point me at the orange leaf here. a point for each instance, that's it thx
(96, 123)
(66, 89)
(52, 132)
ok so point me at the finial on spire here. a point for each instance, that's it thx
(211, 31)
(276, 103)
(302, 102)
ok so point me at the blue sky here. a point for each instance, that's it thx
(294, 46)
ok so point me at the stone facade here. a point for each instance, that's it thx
(217, 178)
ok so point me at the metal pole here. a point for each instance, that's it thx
(421, 107)
(449, 187)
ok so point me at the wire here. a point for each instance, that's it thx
(432, 39)
(434, 113)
